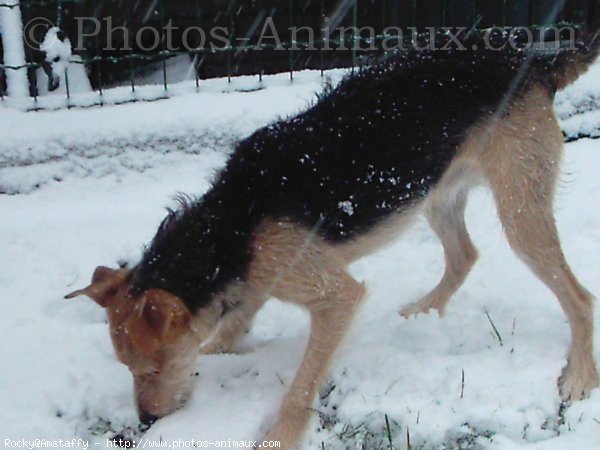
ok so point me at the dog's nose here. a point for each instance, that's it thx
(147, 419)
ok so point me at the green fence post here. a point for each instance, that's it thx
(444, 13)
(35, 89)
(99, 62)
(59, 13)
(322, 39)
(231, 37)
(163, 48)
(292, 44)
(100, 92)
(199, 51)
(131, 55)
(355, 37)
(67, 88)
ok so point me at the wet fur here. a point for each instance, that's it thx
(411, 134)
(371, 148)
(518, 157)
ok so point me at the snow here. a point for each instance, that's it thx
(58, 51)
(51, 145)
(65, 66)
(11, 26)
(60, 376)
(120, 166)
(578, 106)
(179, 68)
(79, 82)
(347, 207)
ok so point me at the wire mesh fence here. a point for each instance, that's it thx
(116, 43)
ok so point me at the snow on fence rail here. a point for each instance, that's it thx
(63, 65)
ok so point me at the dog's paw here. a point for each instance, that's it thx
(417, 308)
(214, 349)
(286, 432)
(217, 347)
(577, 382)
(276, 439)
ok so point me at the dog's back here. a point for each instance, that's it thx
(369, 149)
(298, 200)
(381, 140)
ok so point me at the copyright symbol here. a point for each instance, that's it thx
(35, 30)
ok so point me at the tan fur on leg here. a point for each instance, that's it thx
(523, 170)
(298, 267)
(446, 217)
(233, 325)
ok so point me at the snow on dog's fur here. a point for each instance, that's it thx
(301, 199)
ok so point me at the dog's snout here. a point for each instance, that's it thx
(147, 419)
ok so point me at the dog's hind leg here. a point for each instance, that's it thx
(446, 218)
(297, 267)
(523, 172)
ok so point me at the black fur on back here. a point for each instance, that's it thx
(374, 145)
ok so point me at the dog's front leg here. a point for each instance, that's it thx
(232, 326)
(331, 315)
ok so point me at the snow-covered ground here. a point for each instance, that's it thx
(119, 167)
(51, 145)
(42, 147)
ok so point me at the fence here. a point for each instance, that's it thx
(145, 34)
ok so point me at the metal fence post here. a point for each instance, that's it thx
(231, 37)
(162, 46)
(292, 44)
(67, 88)
(355, 36)
(59, 8)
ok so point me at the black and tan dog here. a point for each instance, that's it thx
(301, 199)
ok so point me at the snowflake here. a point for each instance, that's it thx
(347, 207)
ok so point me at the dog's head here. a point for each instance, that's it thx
(152, 334)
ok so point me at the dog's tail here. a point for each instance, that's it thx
(573, 63)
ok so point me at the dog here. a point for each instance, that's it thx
(301, 199)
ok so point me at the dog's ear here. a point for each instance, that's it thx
(104, 281)
(161, 318)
